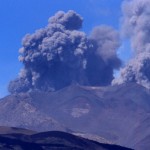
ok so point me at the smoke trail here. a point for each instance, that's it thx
(136, 26)
(55, 56)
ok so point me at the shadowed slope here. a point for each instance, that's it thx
(50, 140)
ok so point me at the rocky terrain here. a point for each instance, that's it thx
(114, 114)
(21, 139)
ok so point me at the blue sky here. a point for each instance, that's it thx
(19, 17)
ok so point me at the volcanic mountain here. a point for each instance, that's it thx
(117, 114)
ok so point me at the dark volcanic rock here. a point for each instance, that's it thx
(53, 140)
(119, 114)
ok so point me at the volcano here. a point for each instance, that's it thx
(117, 114)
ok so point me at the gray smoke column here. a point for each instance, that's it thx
(102, 62)
(108, 41)
(136, 26)
(137, 71)
(59, 54)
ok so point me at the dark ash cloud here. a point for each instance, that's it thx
(103, 60)
(59, 54)
(108, 41)
(136, 26)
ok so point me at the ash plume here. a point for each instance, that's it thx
(59, 54)
(136, 26)
(103, 60)
(108, 41)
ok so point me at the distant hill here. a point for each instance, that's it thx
(115, 114)
(54, 140)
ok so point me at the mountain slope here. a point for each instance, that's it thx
(50, 141)
(119, 114)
